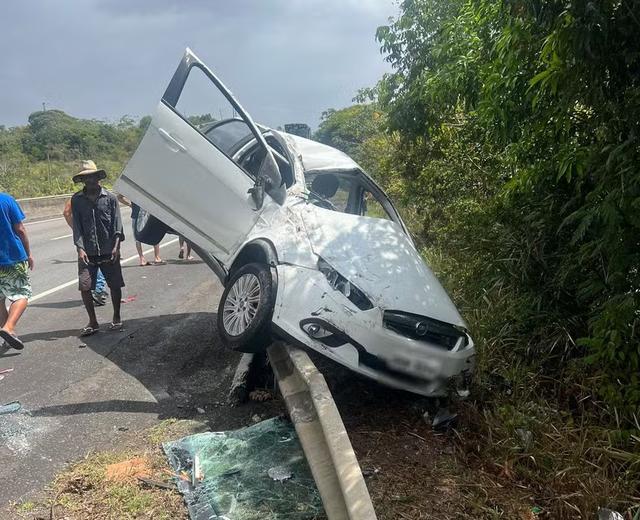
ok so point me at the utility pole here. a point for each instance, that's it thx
(48, 167)
(44, 109)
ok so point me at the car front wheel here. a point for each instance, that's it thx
(246, 307)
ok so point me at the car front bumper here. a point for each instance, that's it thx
(304, 296)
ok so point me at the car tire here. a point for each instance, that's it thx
(148, 229)
(246, 308)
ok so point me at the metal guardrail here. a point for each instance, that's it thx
(322, 434)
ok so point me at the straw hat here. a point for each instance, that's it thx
(89, 168)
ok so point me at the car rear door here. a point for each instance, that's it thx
(186, 179)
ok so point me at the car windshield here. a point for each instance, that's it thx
(346, 193)
(330, 191)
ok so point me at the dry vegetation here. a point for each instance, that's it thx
(508, 456)
(100, 487)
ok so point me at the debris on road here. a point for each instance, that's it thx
(279, 473)
(197, 474)
(609, 514)
(525, 437)
(261, 395)
(443, 419)
(6, 370)
(128, 299)
(235, 480)
(13, 407)
(155, 483)
(127, 470)
(370, 472)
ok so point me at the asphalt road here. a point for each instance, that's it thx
(78, 394)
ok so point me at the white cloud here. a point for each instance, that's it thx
(285, 60)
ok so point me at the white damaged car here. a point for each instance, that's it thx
(308, 247)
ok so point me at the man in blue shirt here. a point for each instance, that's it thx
(15, 262)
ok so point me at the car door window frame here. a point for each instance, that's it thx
(245, 146)
(174, 90)
(367, 184)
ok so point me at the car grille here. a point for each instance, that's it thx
(425, 329)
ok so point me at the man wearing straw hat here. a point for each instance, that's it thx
(97, 234)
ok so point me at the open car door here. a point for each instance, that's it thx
(186, 179)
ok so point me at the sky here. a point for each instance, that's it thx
(285, 60)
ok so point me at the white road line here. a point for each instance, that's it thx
(75, 280)
(55, 289)
(63, 236)
(27, 223)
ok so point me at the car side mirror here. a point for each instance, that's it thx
(270, 174)
(257, 192)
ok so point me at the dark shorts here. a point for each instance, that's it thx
(87, 274)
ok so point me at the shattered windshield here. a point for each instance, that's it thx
(258, 472)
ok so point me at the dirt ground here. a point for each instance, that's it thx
(105, 485)
(412, 471)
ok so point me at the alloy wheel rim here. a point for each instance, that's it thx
(241, 305)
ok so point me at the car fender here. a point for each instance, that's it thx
(259, 250)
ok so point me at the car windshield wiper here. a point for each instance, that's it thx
(320, 198)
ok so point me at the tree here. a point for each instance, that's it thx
(534, 105)
(347, 128)
(201, 119)
(37, 159)
(144, 123)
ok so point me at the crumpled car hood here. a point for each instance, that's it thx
(376, 256)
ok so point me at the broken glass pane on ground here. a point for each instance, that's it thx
(258, 472)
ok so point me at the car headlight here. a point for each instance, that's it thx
(341, 284)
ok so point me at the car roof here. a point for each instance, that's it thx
(318, 157)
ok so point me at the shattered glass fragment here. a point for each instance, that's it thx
(279, 473)
(254, 473)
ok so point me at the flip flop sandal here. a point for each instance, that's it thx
(116, 326)
(89, 331)
(161, 262)
(11, 340)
